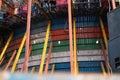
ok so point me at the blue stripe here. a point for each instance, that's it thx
(85, 66)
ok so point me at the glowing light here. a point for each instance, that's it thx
(97, 42)
(58, 42)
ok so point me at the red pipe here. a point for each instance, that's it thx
(113, 4)
(28, 35)
(10, 61)
(105, 56)
(70, 36)
(48, 59)
(23, 66)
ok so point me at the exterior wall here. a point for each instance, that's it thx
(88, 44)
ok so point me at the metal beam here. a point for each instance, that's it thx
(70, 36)
(19, 18)
(104, 6)
(10, 61)
(44, 48)
(18, 53)
(5, 2)
(28, 35)
(48, 59)
(6, 45)
(41, 9)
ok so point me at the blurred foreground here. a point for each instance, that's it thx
(57, 76)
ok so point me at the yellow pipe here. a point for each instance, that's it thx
(53, 68)
(103, 69)
(44, 48)
(6, 45)
(103, 33)
(75, 49)
(18, 53)
(33, 70)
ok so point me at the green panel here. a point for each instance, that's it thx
(87, 41)
(79, 47)
(62, 43)
(58, 49)
(34, 52)
(79, 41)
(88, 47)
(82, 44)
(36, 46)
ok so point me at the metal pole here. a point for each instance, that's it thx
(103, 33)
(105, 56)
(48, 58)
(18, 53)
(23, 66)
(2, 60)
(16, 11)
(75, 49)
(6, 45)
(113, 4)
(70, 36)
(33, 70)
(103, 69)
(28, 35)
(44, 48)
(11, 59)
(0, 4)
(53, 68)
